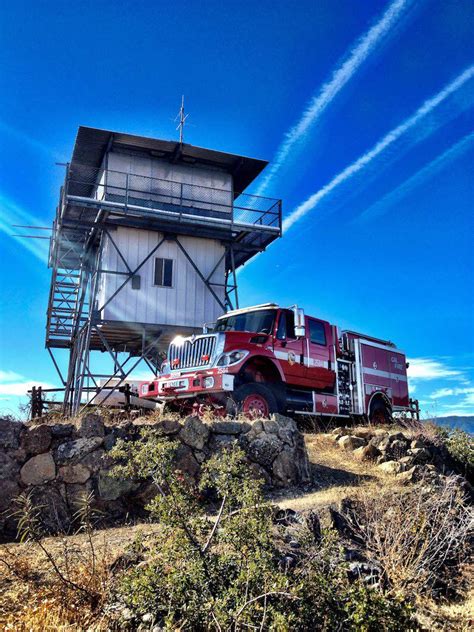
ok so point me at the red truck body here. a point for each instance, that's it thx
(269, 359)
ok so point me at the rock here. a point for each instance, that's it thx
(90, 425)
(111, 488)
(380, 441)
(76, 493)
(97, 460)
(221, 441)
(38, 470)
(380, 432)
(287, 435)
(350, 442)
(363, 433)
(194, 433)
(340, 431)
(398, 448)
(185, 461)
(74, 473)
(9, 490)
(259, 473)
(257, 427)
(284, 468)
(10, 433)
(61, 431)
(169, 426)
(230, 427)
(367, 453)
(407, 460)
(263, 449)
(8, 467)
(397, 436)
(51, 500)
(368, 573)
(417, 443)
(391, 467)
(410, 476)
(421, 455)
(36, 439)
(271, 426)
(75, 450)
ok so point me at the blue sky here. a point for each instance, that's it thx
(365, 110)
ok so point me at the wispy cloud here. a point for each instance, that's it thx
(430, 369)
(15, 385)
(428, 171)
(11, 213)
(453, 392)
(382, 145)
(358, 54)
(27, 139)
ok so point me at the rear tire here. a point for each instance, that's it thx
(252, 400)
(380, 414)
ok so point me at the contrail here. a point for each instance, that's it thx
(373, 153)
(420, 176)
(363, 48)
(11, 213)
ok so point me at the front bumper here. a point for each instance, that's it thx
(181, 384)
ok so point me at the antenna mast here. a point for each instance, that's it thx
(182, 120)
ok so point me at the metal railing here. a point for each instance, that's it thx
(138, 191)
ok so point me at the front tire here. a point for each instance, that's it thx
(253, 400)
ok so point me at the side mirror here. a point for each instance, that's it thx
(300, 330)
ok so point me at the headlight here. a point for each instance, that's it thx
(165, 367)
(232, 357)
(208, 382)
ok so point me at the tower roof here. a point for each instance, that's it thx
(92, 143)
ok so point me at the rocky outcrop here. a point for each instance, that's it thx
(60, 462)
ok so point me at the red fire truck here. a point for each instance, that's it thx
(267, 359)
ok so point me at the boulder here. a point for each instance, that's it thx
(97, 460)
(363, 433)
(38, 470)
(36, 439)
(111, 488)
(398, 448)
(169, 426)
(185, 461)
(350, 442)
(75, 450)
(391, 467)
(51, 500)
(417, 443)
(10, 433)
(9, 490)
(61, 431)
(194, 433)
(285, 470)
(420, 455)
(74, 473)
(8, 467)
(230, 427)
(219, 442)
(272, 426)
(367, 453)
(90, 425)
(263, 449)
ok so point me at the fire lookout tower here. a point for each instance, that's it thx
(146, 242)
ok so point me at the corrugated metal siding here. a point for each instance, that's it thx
(188, 303)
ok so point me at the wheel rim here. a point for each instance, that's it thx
(255, 405)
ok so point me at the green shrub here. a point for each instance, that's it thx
(460, 446)
(228, 572)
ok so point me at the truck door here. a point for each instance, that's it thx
(288, 349)
(319, 371)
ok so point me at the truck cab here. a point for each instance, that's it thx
(261, 360)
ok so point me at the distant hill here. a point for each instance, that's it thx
(465, 423)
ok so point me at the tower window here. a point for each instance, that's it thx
(163, 272)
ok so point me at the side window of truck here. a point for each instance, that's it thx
(286, 326)
(317, 334)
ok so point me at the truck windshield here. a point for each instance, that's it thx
(260, 321)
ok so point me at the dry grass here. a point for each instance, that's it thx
(32, 598)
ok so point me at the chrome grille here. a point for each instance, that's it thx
(190, 354)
